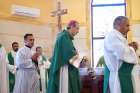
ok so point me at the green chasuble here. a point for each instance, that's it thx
(11, 75)
(64, 50)
(124, 76)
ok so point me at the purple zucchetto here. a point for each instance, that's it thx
(72, 23)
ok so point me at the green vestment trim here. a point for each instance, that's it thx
(106, 78)
(46, 71)
(124, 77)
(11, 75)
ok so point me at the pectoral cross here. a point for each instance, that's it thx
(58, 13)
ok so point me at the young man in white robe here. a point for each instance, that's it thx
(27, 78)
(11, 59)
(121, 60)
(3, 71)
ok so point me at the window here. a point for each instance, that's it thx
(103, 2)
(103, 13)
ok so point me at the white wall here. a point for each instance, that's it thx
(11, 31)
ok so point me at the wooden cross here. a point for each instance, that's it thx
(59, 12)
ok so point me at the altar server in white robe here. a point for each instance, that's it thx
(27, 78)
(117, 51)
(44, 65)
(3, 71)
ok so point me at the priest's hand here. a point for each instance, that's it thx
(47, 64)
(35, 57)
(14, 70)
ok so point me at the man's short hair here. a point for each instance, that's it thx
(14, 43)
(38, 47)
(72, 23)
(26, 35)
(118, 20)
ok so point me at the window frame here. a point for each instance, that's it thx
(92, 31)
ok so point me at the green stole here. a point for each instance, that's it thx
(11, 75)
(46, 71)
(64, 50)
(106, 79)
(124, 77)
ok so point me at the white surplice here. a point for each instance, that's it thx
(64, 78)
(12, 68)
(44, 65)
(136, 78)
(27, 78)
(117, 50)
(3, 71)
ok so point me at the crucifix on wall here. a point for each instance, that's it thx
(58, 13)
